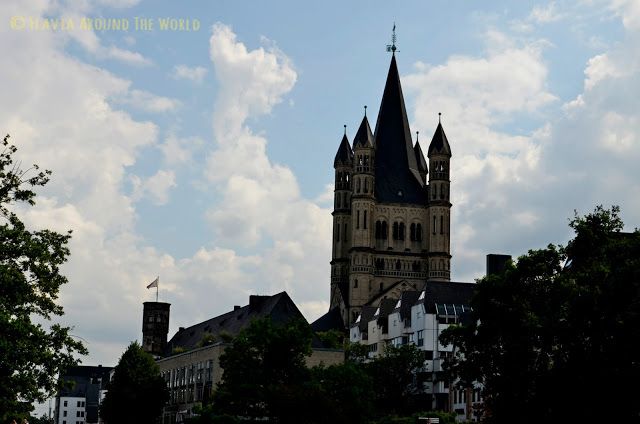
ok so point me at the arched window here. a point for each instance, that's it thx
(434, 191)
(345, 232)
(419, 232)
(401, 231)
(355, 283)
(398, 265)
(434, 225)
(338, 232)
(381, 286)
(366, 185)
(395, 231)
(441, 224)
(442, 191)
(378, 232)
(357, 185)
(364, 221)
(344, 200)
(385, 232)
(339, 201)
(412, 235)
(358, 221)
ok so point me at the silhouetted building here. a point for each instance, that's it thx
(84, 388)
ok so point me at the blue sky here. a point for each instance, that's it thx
(206, 156)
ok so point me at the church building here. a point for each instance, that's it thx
(392, 211)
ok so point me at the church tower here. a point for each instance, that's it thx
(391, 211)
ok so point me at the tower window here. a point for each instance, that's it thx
(395, 231)
(338, 201)
(434, 225)
(355, 284)
(357, 185)
(385, 232)
(364, 221)
(358, 220)
(381, 286)
(398, 265)
(419, 232)
(366, 185)
(378, 232)
(345, 232)
(337, 232)
(401, 231)
(412, 232)
(441, 224)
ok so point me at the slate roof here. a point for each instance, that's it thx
(279, 307)
(445, 292)
(407, 300)
(422, 163)
(80, 377)
(364, 136)
(397, 178)
(366, 314)
(439, 143)
(386, 307)
(332, 320)
(344, 155)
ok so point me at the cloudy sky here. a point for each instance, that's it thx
(203, 154)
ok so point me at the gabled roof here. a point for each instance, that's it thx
(344, 155)
(407, 300)
(279, 307)
(366, 314)
(386, 307)
(79, 378)
(422, 163)
(364, 136)
(397, 178)
(445, 292)
(332, 320)
(439, 143)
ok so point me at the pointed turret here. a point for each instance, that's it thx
(397, 175)
(420, 160)
(344, 156)
(364, 136)
(439, 143)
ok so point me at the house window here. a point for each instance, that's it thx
(64, 413)
(420, 338)
(65, 403)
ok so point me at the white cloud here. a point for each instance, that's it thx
(156, 187)
(179, 151)
(148, 102)
(543, 14)
(195, 74)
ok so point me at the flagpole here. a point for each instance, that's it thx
(157, 289)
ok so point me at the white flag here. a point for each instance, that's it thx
(154, 283)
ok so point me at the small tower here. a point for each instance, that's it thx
(362, 212)
(343, 165)
(439, 154)
(155, 327)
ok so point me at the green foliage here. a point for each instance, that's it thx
(31, 355)
(207, 339)
(555, 334)
(393, 377)
(264, 370)
(333, 339)
(136, 393)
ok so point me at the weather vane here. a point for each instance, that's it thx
(392, 47)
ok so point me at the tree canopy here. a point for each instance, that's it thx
(32, 351)
(137, 393)
(554, 336)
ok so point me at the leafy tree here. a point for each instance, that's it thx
(393, 375)
(264, 371)
(31, 354)
(137, 393)
(553, 337)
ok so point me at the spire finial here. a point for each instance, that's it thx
(417, 135)
(439, 115)
(365, 110)
(392, 47)
(345, 129)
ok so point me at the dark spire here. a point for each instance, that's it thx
(363, 137)
(344, 156)
(439, 143)
(396, 166)
(422, 163)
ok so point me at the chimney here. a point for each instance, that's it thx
(236, 307)
(496, 263)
